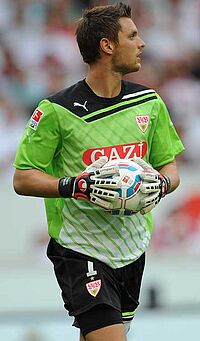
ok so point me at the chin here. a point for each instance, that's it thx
(137, 67)
(125, 69)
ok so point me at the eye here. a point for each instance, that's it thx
(133, 35)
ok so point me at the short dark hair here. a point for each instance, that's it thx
(97, 23)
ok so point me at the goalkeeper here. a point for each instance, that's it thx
(98, 257)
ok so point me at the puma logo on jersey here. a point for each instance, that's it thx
(76, 104)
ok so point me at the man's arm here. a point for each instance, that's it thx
(157, 183)
(33, 182)
(96, 184)
(170, 170)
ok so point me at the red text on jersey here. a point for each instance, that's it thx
(121, 151)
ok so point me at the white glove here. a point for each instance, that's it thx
(97, 164)
(155, 185)
(104, 190)
(96, 184)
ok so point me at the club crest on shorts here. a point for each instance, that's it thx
(94, 287)
(142, 122)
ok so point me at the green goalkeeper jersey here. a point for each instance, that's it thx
(73, 128)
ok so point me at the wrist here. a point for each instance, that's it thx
(166, 185)
(65, 187)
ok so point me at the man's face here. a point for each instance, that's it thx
(126, 55)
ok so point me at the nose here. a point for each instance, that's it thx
(141, 43)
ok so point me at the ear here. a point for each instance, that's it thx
(106, 45)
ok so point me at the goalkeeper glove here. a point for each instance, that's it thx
(155, 186)
(95, 184)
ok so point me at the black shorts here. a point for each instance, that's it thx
(86, 282)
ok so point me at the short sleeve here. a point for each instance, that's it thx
(166, 144)
(41, 139)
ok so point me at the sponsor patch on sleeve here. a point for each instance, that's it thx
(35, 119)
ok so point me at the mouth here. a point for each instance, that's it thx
(138, 56)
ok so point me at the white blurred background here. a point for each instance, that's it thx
(38, 55)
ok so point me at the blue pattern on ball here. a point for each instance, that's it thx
(129, 195)
(131, 190)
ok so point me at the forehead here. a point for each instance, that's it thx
(127, 25)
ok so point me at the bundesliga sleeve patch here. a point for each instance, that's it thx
(35, 119)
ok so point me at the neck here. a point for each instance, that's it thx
(103, 81)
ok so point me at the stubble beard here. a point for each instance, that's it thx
(123, 68)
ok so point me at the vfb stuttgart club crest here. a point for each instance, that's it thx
(94, 287)
(142, 122)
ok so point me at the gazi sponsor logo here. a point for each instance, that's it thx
(121, 151)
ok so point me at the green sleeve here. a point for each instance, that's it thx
(166, 144)
(40, 141)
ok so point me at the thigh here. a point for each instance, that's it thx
(114, 332)
(106, 334)
(101, 323)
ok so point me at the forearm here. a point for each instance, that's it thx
(96, 184)
(171, 171)
(33, 182)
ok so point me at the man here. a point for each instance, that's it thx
(98, 257)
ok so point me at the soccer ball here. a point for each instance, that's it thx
(129, 201)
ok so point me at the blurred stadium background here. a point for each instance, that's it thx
(38, 55)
